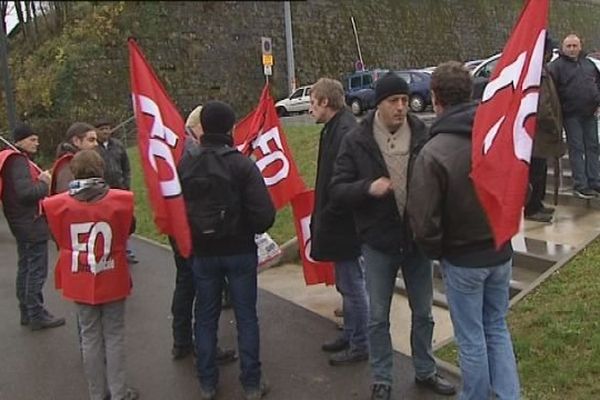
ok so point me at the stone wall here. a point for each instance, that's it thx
(204, 50)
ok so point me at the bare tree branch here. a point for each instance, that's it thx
(20, 17)
(35, 20)
(3, 13)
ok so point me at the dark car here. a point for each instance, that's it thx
(419, 85)
(360, 92)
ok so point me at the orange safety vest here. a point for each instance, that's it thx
(60, 163)
(92, 237)
(4, 156)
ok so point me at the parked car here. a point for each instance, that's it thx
(360, 92)
(483, 72)
(297, 102)
(419, 85)
(471, 65)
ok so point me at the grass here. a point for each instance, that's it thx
(556, 333)
(303, 142)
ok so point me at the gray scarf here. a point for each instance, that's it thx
(88, 189)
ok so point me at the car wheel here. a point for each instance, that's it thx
(417, 103)
(281, 112)
(356, 107)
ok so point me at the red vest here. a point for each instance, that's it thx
(92, 239)
(62, 162)
(4, 156)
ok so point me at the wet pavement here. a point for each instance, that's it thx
(46, 365)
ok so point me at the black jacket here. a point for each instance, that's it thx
(257, 210)
(578, 85)
(358, 164)
(20, 201)
(445, 214)
(333, 234)
(117, 172)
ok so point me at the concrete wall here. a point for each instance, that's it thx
(204, 50)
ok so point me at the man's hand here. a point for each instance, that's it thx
(45, 177)
(380, 187)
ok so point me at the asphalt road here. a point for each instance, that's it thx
(46, 365)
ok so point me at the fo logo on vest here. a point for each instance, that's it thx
(95, 262)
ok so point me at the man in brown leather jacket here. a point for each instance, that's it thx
(450, 225)
(547, 143)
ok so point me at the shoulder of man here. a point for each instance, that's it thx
(116, 143)
(417, 127)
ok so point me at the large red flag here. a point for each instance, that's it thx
(315, 272)
(161, 136)
(260, 136)
(505, 124)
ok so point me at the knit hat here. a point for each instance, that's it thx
(217, 117)
(21, 132)
(389, 85)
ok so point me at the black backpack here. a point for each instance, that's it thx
(211, 195)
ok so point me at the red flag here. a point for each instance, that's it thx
(505, 124)
(315, 272)
(161, 136)
(260, 135)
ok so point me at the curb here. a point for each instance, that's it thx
(289, 252)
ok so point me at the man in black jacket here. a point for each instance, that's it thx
(333, 234)
(578, 83)
(371, 176)
(23, 187)
(449, 224)
(117, 169)
(224, 247)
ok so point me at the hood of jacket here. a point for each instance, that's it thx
(457, 119)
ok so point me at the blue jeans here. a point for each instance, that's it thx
(582, 140)
(478, 302)
(241, 273)
(381, 271)
(350, 282)
(32, 272)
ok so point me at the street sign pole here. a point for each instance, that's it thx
(289, 41)
(267, 57)
(357, 42)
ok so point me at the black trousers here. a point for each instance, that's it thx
(182, 305)
(184, 296)
(538, 171)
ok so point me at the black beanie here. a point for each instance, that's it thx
(389, 85)
(21, 132)
(217, 117)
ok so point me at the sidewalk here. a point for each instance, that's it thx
(46, 365)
